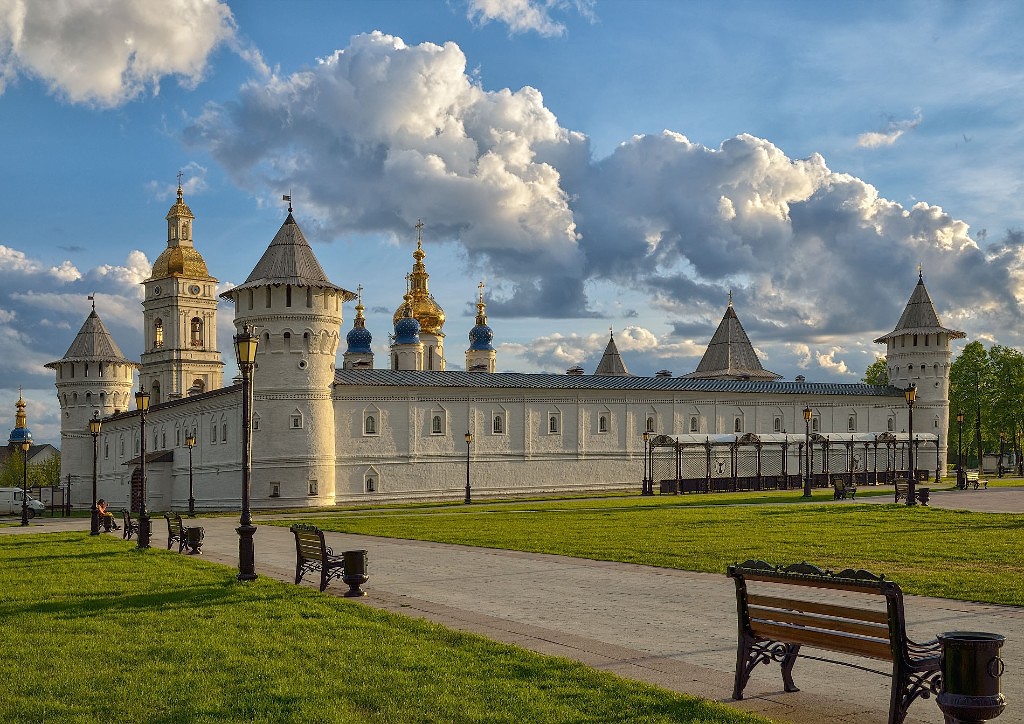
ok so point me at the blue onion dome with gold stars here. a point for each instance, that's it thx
(359, 337)
(407, 329)
(20, 434)
(481, 336)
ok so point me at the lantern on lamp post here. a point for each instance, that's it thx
(910, 395)
(469, 442)
(808, 414)
(960, 451)
(95, 425)
(647, 488)
(245, 353)
(190, 442)
(142, 403)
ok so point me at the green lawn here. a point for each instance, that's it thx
(949, 554)
(95, 630)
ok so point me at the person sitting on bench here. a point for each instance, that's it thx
(106, 517)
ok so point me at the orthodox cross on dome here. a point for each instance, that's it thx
(180, 174)
(419, 232)
(359, 294)
(480, 286)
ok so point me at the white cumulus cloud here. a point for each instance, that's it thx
(894, 130)
(108, 52)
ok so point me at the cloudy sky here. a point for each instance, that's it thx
(599, 164)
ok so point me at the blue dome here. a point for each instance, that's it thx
(407, 331)
(20, 435)
(359, 339)
(480, 338)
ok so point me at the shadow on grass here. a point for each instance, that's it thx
(188, 597)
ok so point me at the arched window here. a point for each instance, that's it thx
(287, 340)
(602, 424)
(224, 432)
(694, 424)
(650, 423)
(197, 332)
(778, 424)
(288, 295)
(158, 333)
(851, 423)
(499, 425)
(435, 425)
(814, 425)
(891, 426)
(553, 424)
(737, 424)
(370, 425)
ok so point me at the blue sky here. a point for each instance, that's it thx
(600, 165)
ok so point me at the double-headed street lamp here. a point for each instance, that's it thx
(808, 414)
(190, 442)
(910, 394)
(95, 425)
(960, 483)
(142, 403)
(469, 441)
(245, 353)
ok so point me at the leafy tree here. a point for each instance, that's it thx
(877, 373)
(968, 382)
(46, 473)
(11, 471)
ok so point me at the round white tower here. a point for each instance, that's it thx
(918, 352)
(93, 378)
(297, 313)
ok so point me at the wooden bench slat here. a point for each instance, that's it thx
(828, 609)
(842, 643)
(836, 585)
(820, 622)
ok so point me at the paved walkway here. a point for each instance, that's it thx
(672, 628)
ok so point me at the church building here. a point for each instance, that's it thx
(326, 434)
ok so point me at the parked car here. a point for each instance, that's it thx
(10, 503)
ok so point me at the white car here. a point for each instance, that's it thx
(10, 503)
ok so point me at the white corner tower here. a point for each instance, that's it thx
(918, 352)
(93, 378)
(180, 317)
(297, 313)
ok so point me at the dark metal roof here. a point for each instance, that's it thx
(611, 361)
(920, 317)
(730, 355)
(542, 381)
(93, 343)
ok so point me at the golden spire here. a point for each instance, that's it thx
(481, 314)
(426, 311)
(360, 320)
(20, 418)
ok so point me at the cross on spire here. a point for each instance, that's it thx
(480, 286)
(419, 232)
(180, 174)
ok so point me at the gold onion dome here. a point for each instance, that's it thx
(179, 261)
(424, 309)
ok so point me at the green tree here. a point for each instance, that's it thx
(877, 373)
(11, 471)
(1006, 376)
(968, 384)
(45, 473)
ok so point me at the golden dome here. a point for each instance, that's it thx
(426, 311)
(179, 261)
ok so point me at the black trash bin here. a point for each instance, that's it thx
(355, 572)
(971, 669)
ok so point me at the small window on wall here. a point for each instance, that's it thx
(553, 425)
(106, 450)
(778, 424)
(650, 424)
(224, 432)
(255, 422)
(814, 425)
(213, 432)
(371, 484)
(275, 490)
(295, 421)
(313, 488)
(737, 425)
(694, 424)
(370, 425)
(851, 423)
(891, 425)
(437, 423)
(602, 423)
(499, 425)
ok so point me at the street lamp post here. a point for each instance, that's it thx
(245, 353)
(190, 442)
(1002, 446)
(960, 451)
(808, 414)
(910, 394)
(25, 445)
(95, 424)
(142, 403)
(647, 487)
(469, 441)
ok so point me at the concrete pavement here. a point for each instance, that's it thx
(672, 628)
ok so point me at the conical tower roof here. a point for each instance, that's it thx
(93, 343)
(730, 355)
(289, 260)
(611, 361)
(920, 317)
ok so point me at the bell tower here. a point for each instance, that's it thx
(180, 317)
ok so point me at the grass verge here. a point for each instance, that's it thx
(96, 631)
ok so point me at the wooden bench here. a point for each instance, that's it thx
(843, 489)
(313, 554)
(972, 478)
(191, 538)
(130, 527)
(773, 626)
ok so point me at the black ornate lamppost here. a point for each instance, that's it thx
(190, 442)
(1002, 447)
(808, 414)
(910, 394)
(26, 443)
(142, 403)
(245, 353)
(960, 451)
(647, 488)
(469, 441)
(95, 424)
